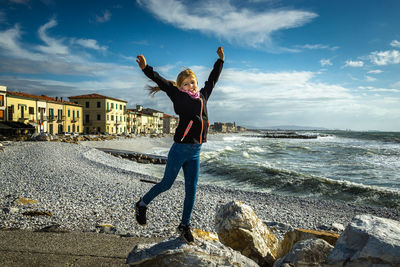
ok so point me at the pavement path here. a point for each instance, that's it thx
(28, 248)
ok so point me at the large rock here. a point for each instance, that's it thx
(368, 241)
(41, 137)
(306, 253)
(239, 228)
(292, 237)
(176, 252)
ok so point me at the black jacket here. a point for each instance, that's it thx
(193, 117)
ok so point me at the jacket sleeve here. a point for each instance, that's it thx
(164, 84)
(212, 79)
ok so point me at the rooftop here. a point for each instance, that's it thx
(95, 96)
(40, 97)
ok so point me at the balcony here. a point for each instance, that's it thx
(51, 118)
(109, 109)
(61, 118)
(74, 119)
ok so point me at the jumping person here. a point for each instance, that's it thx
(191, 106)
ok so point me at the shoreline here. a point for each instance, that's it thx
(83, 188)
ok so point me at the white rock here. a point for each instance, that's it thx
(239, 228)
(176, 252)
(310, 252)
(368, 241)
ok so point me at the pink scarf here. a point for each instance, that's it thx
(192, 95)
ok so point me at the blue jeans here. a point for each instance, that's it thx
(186, 156)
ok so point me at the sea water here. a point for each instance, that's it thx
(356, 167)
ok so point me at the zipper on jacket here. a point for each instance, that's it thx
(201, 118)
(187, 130)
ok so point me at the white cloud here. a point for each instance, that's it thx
(89, 43)
(222, 19)
(382, 58)
(325, 62)
(106, 16)
(351, 63)
(318, 47)
(395, 43)
(54, 46)
(370, 79)
(375, 71)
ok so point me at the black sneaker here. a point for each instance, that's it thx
(186, 233)
(140, 213)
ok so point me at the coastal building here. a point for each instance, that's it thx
(3, 103)
(102, 114)
(147, 121)
(73, 119)
(155, 118)
(21, 107)
(133, 120)
(169, 124)
(44, 113)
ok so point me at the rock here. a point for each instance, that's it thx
(367, 241)
(37, 213)
(54, 228)
(291, 238)
(176, 252)
(25, 201)
(106, 229)
(239, 228)
(41, 137)
(306, 253)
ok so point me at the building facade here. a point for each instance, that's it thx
(169, 124)
(102, 114)
(46, 114)
(3, 102)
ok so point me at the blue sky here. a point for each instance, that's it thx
(332, 64)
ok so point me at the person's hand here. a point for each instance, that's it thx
(220, 53)
(141, 61)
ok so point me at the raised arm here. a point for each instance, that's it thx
(163, 84)
(141, 60)
(214, 75)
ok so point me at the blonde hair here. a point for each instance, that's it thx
(179, 80)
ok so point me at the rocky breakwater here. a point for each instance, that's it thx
(67, 138)
(244, 240)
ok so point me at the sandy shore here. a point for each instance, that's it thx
(83, 188)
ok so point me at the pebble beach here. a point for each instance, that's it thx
(81, 188)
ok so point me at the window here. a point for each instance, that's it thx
(98, 117)
(73, 114)
(51, 113)
(31, 110)
(112, 117)
(77, 128)
(108, 105)
(112, 105)
(77, 113)
(87, 104)
(1, 114)
(69, 128)
(99, 104)
(1, 100)
(87, 118)
(120, 107)
(116, 106)
(69, 113)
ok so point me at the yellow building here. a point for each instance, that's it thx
(73, 118)
(21, 107)
(102, 113)
(46, 114)
(3, 103)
